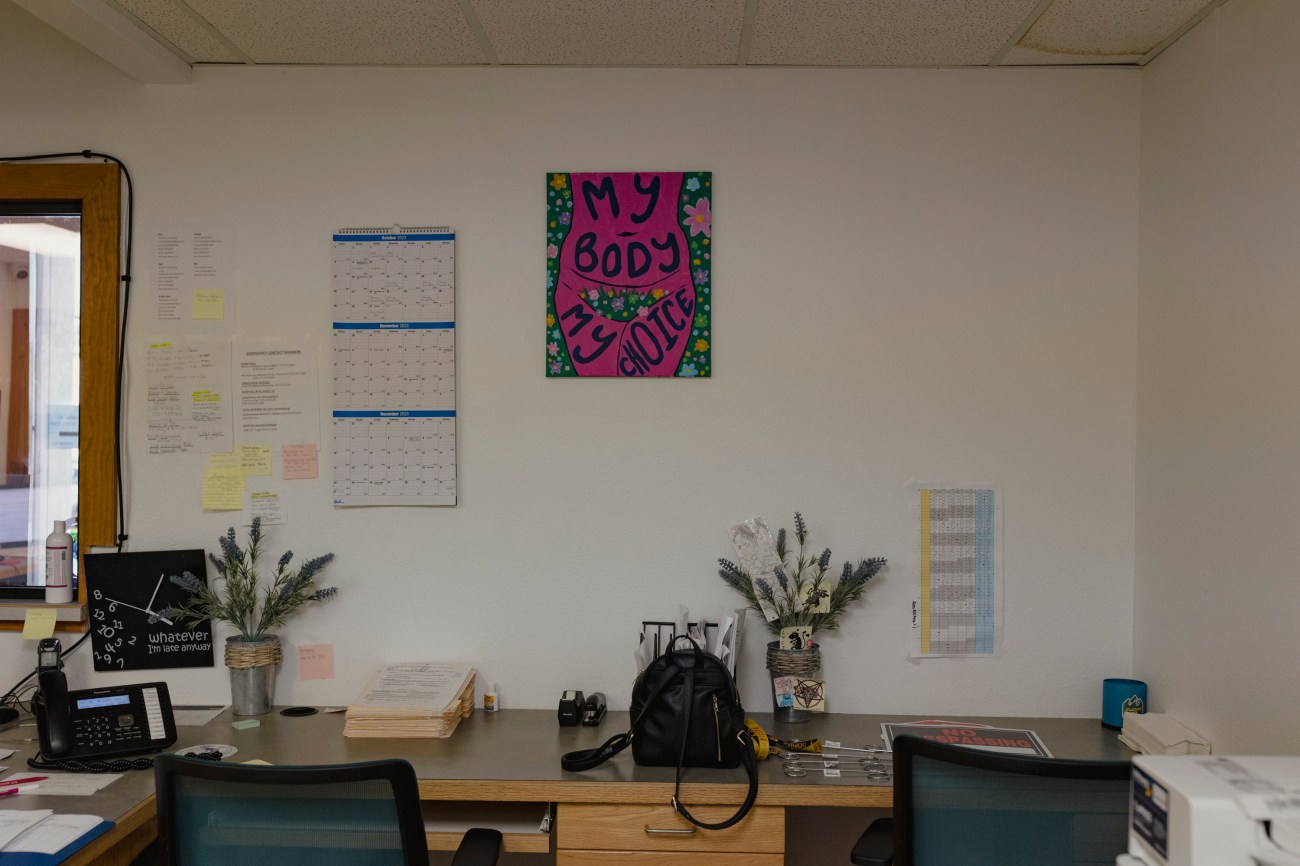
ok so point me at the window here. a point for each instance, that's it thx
(59, 344)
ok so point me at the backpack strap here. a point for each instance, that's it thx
(746, 757)
(586, 759)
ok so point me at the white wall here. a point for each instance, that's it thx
(917, 274)
(1218, 407)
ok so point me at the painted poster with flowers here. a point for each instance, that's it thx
(627, 274)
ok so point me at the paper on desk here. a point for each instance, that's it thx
(645, 653)
(14, 822)
(196, 715)
(67, 784)
(4, 753)
(726, 645)
(53, 834)
(416, 684)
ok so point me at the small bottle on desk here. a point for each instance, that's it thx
(490, 704)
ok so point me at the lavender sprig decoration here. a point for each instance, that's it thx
(800, 588)
(237, 594)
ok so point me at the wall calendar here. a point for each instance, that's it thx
(394, 343)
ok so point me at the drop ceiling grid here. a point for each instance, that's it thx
(1101, 31)
(884, 32)
(613, 32)
(175, 24)
(345, 32)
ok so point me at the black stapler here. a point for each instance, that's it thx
(593, 711)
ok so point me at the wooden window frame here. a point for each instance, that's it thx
(98, 187)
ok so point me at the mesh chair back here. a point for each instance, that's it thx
(365, 814)
(956, 805)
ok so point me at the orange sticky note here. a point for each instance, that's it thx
(299, 461)
(316, 661)
(39, 624)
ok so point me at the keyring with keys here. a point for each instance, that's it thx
(796, 771)
(869, 762)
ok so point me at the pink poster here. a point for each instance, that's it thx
(628, 274)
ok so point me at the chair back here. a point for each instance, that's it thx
(367, 814)
(958, 805)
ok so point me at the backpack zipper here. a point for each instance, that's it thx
(717, 728)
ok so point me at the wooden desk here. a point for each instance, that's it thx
(514, 756)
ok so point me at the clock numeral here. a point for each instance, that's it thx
(117, 623)
(132, 640)
(98, 595)
(121, 663)
(107, 631)
(99, 614)
(112, 607)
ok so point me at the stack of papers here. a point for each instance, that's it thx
(41, 831)
(412, 699)
(1161, 734)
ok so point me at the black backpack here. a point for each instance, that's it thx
(685, 712)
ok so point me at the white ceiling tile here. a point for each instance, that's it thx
(884, 32)
(394, 32)
(177, 25)
(1110, 31)
(613, 32)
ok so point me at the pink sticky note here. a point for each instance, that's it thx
(316, 661)
(299, 461)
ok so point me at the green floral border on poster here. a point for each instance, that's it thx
(628, 274)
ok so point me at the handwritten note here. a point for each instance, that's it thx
(316, 661)
(39, 623)
(208, 304)
(298, 461)
(223, 489)
(268, 505)
(223, 460)
(255, 459)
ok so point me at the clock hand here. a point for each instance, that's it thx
(142, 610)
(155, 592)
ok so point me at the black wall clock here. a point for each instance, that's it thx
(126, 592)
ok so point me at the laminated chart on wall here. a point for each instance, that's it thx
(957, 611)
(394, 421)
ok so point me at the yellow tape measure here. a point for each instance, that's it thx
(765, 745)
(762, 748)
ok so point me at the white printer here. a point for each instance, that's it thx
(1214, 810)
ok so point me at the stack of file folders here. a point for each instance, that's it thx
(412, 699)
(1161, 734)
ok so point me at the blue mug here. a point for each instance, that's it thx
(1120, 696)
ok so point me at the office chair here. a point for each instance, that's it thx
(365, 814)
(957, 806)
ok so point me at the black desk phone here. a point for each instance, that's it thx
(101, 723)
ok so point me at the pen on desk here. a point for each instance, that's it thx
(9, 782)
(5, 792)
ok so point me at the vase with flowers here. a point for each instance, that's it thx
(240, 597)
(795, 593)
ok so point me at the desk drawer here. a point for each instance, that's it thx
(664, 858)
(623, 828)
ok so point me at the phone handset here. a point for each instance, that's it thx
(53, 714)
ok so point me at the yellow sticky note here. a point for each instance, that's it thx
(316, 661)
(39, 623)
(298, 461)
(224, 460)
(208, 304)
(255, 459)
(223, 489)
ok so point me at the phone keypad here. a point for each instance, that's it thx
(106, 730)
